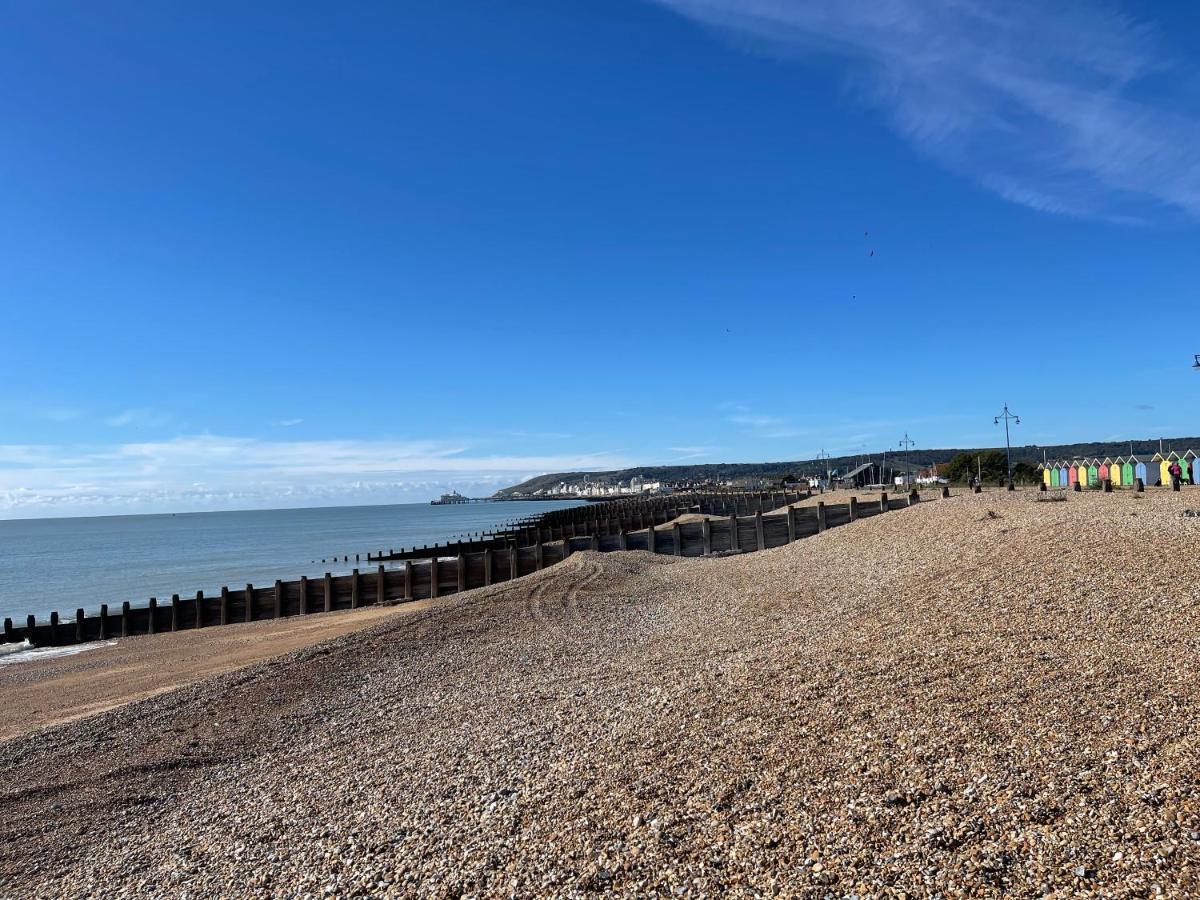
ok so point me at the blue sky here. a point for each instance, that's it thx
(271, 254)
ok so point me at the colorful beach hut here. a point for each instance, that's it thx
(1116, 473)
(1158, 469)
(1106, 469)
(1094, 472)
(1045, 469)
(1188, 463)
(1139, 469)
(1054, 474)
(1064, 475)
(1074, 471)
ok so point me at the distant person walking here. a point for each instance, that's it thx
(1176, 474)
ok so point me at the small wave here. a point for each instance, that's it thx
(12, 654)
(6, 649)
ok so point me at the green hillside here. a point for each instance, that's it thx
(801, 467)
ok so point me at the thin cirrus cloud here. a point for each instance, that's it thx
(1072, 108)
(138, 417)
(213, 472)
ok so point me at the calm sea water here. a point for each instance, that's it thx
(63, 564)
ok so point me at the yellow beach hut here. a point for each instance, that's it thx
(1081, 473)
(1158, 469)
(1115, 471)
(1045, 474)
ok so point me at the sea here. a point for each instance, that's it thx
(64, 564)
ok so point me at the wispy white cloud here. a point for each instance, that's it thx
(213, 472)
(138, 417)
(689, 452)
(59, 414)
(288, 423)
(1066, 107)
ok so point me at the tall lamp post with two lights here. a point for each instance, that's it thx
(1016, 420)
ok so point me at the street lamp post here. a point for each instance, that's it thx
(1006, 416)
(907, 445)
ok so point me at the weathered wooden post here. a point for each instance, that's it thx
(1041, 487)
(328, 592)
(913, 497)
(759, 532)
(821, 520)
(249, 603)
(513, 571)
(199, 609)
(354, 589)
(677, 539)
(539, 552)
(381, 585)
(705, 535)
(1138, 486)
(54, 629)
(1107, 485)
(408, 579)
(152, 616)
(978, 488)
(78, 626)
(734, 543)
(174, 612)
(596, 540)
(1077, 487)
(31, 628)
(103, 621)
(487, 565)
(946, 491)
(304, 594)
(125, 619)
(623, 539)
(883, 502)
(278, 599)
(652, 537)
(9, 634)
(224, 605)
(462, 573)
(433, 576)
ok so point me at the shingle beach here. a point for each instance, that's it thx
(980, 696)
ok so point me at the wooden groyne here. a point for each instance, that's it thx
(605, 517)
(444, 573)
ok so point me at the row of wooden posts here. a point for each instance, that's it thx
(608, 517)
(439, 576)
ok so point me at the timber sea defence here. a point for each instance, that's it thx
(682, 525)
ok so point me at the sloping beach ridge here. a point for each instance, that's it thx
(980, 696)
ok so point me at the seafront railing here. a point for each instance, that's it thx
(441, 576)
